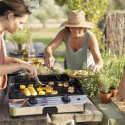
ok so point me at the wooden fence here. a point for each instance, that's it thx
(114, 31)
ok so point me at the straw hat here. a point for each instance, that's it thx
(76, 18)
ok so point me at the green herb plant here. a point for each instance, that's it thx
(114, 83)
(21, 37)
(104, 84)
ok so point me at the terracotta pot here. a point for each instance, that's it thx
(105, 97)
(113, 91)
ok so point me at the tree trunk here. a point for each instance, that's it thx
(19, 47)
(44, 25)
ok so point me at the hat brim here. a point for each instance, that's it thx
(84, 24)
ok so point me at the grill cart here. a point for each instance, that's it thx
(61, 101)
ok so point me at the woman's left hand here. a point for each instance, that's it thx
(95, 68)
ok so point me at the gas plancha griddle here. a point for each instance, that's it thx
(61, 102)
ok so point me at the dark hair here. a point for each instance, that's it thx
(16, 6)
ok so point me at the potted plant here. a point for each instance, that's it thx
(114, 86)
(21, 37)
(104, 85)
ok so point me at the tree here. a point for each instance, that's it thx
(48, 9)
(118, 4)
(94, 10)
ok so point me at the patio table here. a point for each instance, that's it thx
(90, 114)
(111, 114)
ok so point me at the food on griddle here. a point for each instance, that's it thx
(22, 90)
(66, 84)
(22, 86)
(44, 88)
(41, 93)
(71, 87)
(60, 84)
(48, 86)
(39, 89)
(30, 85)
(39, 86)
(32, 91)
(48, 91)
(51, 83)
(27, 92)
(71, 90)
(54, 92)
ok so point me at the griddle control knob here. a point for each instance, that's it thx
(66, 99)
(32, 101)
(78, 99)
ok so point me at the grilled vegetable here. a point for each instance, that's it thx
(51, 83)
(27, 92)
(54, 92)
(39, 89)
(66, 84)
(22, 86)
(42, 93)
(39, 86)
(48, 91)
(32, 91)
(60, 84)
(44, 88)
(30, 85)
(50, 88)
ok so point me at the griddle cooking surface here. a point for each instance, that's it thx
(16, 81)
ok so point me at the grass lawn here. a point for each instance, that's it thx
(46, 35)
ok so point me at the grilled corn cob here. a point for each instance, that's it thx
(32, 91)
(39, 89)
(22, 86)
(27, 92)
(30, 85)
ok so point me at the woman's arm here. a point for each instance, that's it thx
(14, 60)
(120, 96)
(49, 59)
(12, 67)
(94, 48)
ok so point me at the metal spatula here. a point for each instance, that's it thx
(38, 81)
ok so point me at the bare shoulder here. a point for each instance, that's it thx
(93, 40)
(63, 34)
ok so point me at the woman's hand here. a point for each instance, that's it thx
(31, 70)
(95, 68)
(49, 61)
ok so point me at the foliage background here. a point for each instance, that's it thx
(94, 10)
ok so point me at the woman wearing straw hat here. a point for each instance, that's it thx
(13, 14)
(82, 50)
